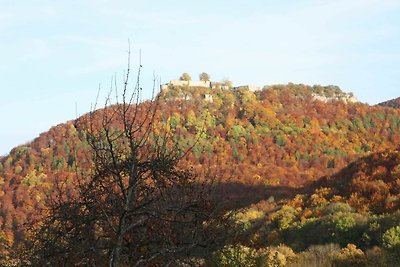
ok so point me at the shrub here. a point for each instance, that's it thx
(391, 238)
(317, 256)
(350, 256)
(376, 257)
(235, 256)
(391, 242)
(275, 256)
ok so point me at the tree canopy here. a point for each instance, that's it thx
(185, 77)
(204, 76)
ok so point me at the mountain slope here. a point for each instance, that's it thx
(393, 103)
(280, 136)
(374, 180)
(356, 209)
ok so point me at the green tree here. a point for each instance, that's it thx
(391, 242)
(236, 256)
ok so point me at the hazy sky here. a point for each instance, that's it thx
(54, 54)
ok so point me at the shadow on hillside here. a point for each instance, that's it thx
(238, 195)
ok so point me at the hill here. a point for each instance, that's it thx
(350, 218)
(394, 103)
(374, 180)
(282, 136)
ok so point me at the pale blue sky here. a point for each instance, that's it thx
(54, 54)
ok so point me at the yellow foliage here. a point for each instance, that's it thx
(317, 200)
(337, 198)
(45, 151)
(297, 201)
(323, 191)
(351, 256)
(250, 215)
(275, 256)
(307, 213)
(257, 177)
(17, 169)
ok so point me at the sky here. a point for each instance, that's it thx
(55, 55)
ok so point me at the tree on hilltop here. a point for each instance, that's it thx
(185, 77)
(228, 83)
(204, 76)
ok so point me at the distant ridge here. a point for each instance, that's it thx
(394, 103)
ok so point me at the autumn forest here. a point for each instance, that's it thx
(288, 175)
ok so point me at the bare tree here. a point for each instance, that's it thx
(135, 206)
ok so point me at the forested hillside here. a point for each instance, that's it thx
(348, 219)
(263, 147)
(394, 103)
